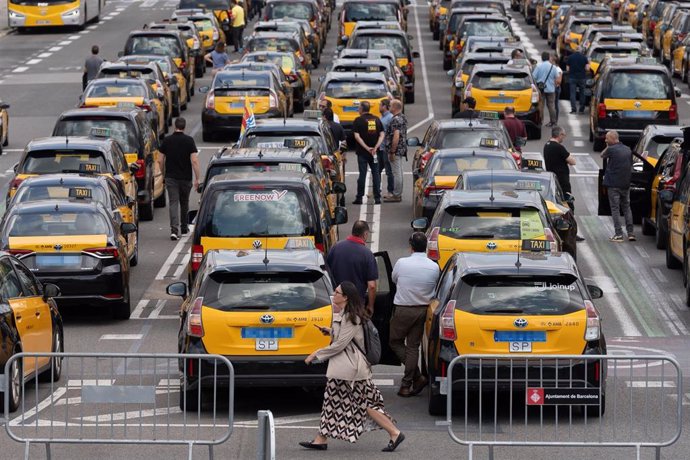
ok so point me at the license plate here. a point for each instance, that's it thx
(518, 347)
(237, 105)
(267, 333)
(42, 22)
(57, 261)
(270, 145)
(266, 345)
(637, 113)
(501, 100)
(351, 109)
(519, 336)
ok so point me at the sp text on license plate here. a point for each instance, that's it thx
(266, 345)
(520, 347)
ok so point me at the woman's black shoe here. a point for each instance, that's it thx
(392, 445)
(311, 445)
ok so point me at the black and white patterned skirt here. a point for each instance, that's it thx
(344, 412)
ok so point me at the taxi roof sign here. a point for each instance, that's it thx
(100, 132)
(89, 168)
(536, 245)
(488, 142)
(520, 62)
(522, 184)
(647, 60)
(311, 114)
(295, 143)
(488, 115)
(532, 163)
(125, 105)
(299, 243)
(80, 193)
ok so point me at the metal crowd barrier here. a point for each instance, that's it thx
(117, 398)
(266, 442)
(549, 400)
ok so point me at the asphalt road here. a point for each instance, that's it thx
(642, 309)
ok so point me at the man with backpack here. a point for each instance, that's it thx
(415, 277)
(546, 74)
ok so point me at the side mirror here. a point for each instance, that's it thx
(311, 94)
(413, 142)
(178, 289)
(338, 187)
(451, 73)
(127, 227)
(50, 290)
(191, 216)
(520, 141)
(204, 89)
(415, 54)
(419, 225)
(459, 84)
(344, 39)
(339, 48)
(595, 291)
(15, 167)
(340, 215)
(562, 225)
(666, 196)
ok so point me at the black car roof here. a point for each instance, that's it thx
(56, 205)
(110, 112)
(70, 143)
(270, 178)
(261, 154)
(476, 123)
(504, 263)
(482, 199)
(290, 260)
(517, 174)
(468, 152)
(285, 125)
(64, 179)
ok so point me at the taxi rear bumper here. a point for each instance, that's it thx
(628, 131)
(99, 290)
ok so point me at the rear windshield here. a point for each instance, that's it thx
(486, 28)
(203, 24)
(281, 60)
(471, 139)
(657, 145)
(122, 131)
(453, 166)
(356, 89)
(50, 162)
(151, 44)
(633, 84)
(541, 184)
(591, 14)
(235, 80)
(513, 295)
(290, 10)
(276, 141)
(271, 44)
(469, 64)
(115, 89)
(255, 166)
(267, 292)
(204, 4)
(579, 27)
(128, 73)
(599, 54)
(55, 192)
(58, 223)
(251, 213)
(501, 81)
(370, 11)
(481, 4)
(394, 43)
(494, 223)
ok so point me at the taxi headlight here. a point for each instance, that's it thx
(15, 15)
(71, 13)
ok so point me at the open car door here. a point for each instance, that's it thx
(383, 307)
(643, 173)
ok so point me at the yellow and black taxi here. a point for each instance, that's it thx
(654, 140)
(458, 133)
(678, 201)
(298, 77)
(546, 11)
(395, 40)
(679, 59)
(135, 137)
(611, 37)
(75, 245)
(599, 50)
(354, 11)
(264, 65)
(486, 221)
(670, 12)
(440, 16)
(210, 30)
(674, 35)
(262, 209)
(31, 323)
(464, 67)
(279, 41)
(298, 9)
(447, 39)
(295, 27)
(346, 90)
(627, 97)
(598, 31)
(656, 8)
(442, 171)
(83, 187)
(274, 133)
(172, 74)
(479, 25)
(164, 43)
(544, 182)
(396, 84)
(127, 92)
(495, 87)
(514, 305)
(295, 155)
(555, 23)
(389, 55)
(570, 36)
(231, 91)
(4, 125)
(219, 8)
(192, 38)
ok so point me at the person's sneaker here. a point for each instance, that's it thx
(185, 231)
(617, 238)
(631, 237)
(174, 237)
(377, 201)
(393, 199)
(579, 238)
(357, 201)
(573, 111)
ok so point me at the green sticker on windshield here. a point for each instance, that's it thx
(531, 227)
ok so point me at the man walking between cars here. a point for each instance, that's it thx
(368, 134)
(91, 67)
(617, 183)
(396, 142)
(558, 160)
(386, 117)
(178, 159)
(415, 277)
(577, 65)
(545, 75)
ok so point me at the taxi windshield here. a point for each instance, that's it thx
(55, 192)
(286, 61)
(271, 44)
(523, 295)
(501, 81)
(492, 223)
(634, 84)
(268, 292)
(579, 27)
(486, 28)
(453, 166)
(469, 64)
(257, 212)
(370, 11)
(58, 223)
(151, 44)
(394, 43)
(293, 10)
(51, 161)
(238, 80)
(256, 166)
(471, 139)
(599, 54)
(114, 89)
(542, 184)
(355, 89)
(120, 130)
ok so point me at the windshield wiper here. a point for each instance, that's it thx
(504, 310)
(476, 235)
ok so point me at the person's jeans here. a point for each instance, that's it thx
(551, 105)
(397, 169)
(577, 84)
(557, 102)
(237, 37)
(364, 161)
(383, 160)
(406, 331)
(178, 203)
(619, 198)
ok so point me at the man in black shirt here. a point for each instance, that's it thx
(558, 159)
(368, 134)
(577, 65)
(336, 128)
(179, 157)
(467, 107)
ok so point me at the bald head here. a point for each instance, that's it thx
(396, 106)
(612, 137)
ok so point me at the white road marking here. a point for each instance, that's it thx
(92, 27)
(168, 383)
(579, 143)
(606, 284)
(183, 265)
(650, 384)
(122, 336)
(136, 314)
(377, 226)
(65, 43)
(427, 90)
(642, 252)
(45, 55)
(73, 37)
(55, 48)
(84, 32)
(57, 394)
(157, 311)
(78, 383)
(20, 69)
(383, 382)
(173, 255)
(659, 275)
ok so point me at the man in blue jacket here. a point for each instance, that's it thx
(617, 183)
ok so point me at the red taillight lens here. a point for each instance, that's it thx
(652, 25)
(447, 322)
(601, 110)
(593, 323)
(19, 253)
(145, 107)
(673, 112)
(432, 244)
(197, 255)
(434, 190)
(195, 328)
(292, 77)
(211, 101)
(409, 68)
(320, 247)
(549, 235)
(327, 164)
(141, 171)
(15, 183)
(106, 252)
(183, 65)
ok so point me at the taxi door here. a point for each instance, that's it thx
(42, 318)
(123, 174)
(383, 307)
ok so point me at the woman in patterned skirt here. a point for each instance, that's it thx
(352, 404)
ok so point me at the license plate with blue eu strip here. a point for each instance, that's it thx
(519, 336)
(637, 113)
(351, 108)
(57, 261)
(267, 332)
(501, 100)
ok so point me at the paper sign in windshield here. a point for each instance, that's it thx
(273, 195)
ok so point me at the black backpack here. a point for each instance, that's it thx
(372, 343)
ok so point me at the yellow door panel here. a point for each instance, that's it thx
(448, 246)
(634, 104)
(247, 243)
(111, 101)
(25, 319)
(521, 100)
(44, 326)
(235, 105)
(69, 243)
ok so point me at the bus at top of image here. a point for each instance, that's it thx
(24, 14)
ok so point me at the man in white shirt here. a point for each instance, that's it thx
(415, 277)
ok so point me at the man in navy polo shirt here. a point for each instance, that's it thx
(351, 260)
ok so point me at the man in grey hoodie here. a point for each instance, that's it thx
(617, 183)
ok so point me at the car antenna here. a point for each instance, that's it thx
(518, 264)
(265, 261)
(491, 198)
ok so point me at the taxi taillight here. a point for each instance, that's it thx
(320, 247)
(593, 323)
(435, 190)
(446, 323)
(145, 107)
(103, 253)
(432, 244)
(19, 253)
(15, 183)
(601, 110)
(140, 173)
(211, 101)
(673, 112)
(197, 255)
(195, 328)
(327, 164)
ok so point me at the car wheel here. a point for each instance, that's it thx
(437, 402)
(661, 229)
(53, 373)
(122, 310)
(671, 261)
(161, 201)
(15, 384)
(146, 211)
(189, 399)
(647, 227)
